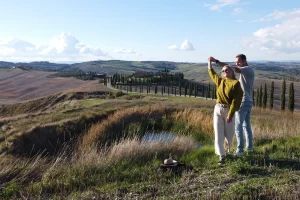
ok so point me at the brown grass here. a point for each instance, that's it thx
(110, 129)
(20, 169)
(196, 118)
(274, 124)
(135, 149)
(114, 127)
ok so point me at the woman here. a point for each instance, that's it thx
(229, 97)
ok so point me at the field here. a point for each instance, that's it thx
(88, 144)
(18, 85)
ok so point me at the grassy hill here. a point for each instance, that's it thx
(87, 141)
(83, 145)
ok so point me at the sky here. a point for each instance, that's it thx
(152, 30)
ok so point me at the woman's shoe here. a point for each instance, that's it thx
(221, 160)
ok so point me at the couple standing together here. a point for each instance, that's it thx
(234, 104)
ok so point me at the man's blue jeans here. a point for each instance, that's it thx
(242, 123)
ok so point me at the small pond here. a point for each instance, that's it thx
(162, 137)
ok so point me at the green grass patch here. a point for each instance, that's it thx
(204, 157)
(92, 102)
(283, 148)
(9, 191)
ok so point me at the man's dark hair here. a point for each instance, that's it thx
(242, 57)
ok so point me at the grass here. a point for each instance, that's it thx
(124, 166)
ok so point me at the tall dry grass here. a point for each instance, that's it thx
(274, 124)
(195, 118)
(135, 149)
(20, 169)
(113, 128)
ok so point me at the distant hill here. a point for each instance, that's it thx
(195, 71)
(40, 65)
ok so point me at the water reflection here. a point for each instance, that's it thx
(159, 137)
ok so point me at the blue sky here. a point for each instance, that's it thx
(181, 31)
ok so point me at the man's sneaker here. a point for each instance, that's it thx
(221, 160)
(239, 153)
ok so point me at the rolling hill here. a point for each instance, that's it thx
(266, 72)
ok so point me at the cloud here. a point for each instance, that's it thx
(127, 51)
(220, 4)
(278, 15)
(15, 46)
(173, 47)
(237, 11)
(185, 46)
(284, 37)
(64, 46)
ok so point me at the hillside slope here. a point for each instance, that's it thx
(18, 85)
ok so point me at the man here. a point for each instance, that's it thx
(242, 117)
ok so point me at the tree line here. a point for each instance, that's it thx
(163, 82)
(79, 74)
(262, 97)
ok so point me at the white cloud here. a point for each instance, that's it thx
(127, 51)
(220, 4)
(15, 46)
(237, 11)
(283, 37)
(185, 46)
(278, 15)
(173, 47)
(64, 46)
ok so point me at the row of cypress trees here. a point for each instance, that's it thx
(262, 97)
(174, 83)
(165, 81)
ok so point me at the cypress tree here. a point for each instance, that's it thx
(260, 96)
(190, 90)
(265, 97)
(291, 101)
(195, 90)
(271, 95)
(203, 91)
(185, 89)
(175, 89)
(105, 81)
(147, 88)
(257, 97)
(282, 100)
(179, 89)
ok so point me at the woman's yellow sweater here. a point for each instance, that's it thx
(229, 91)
